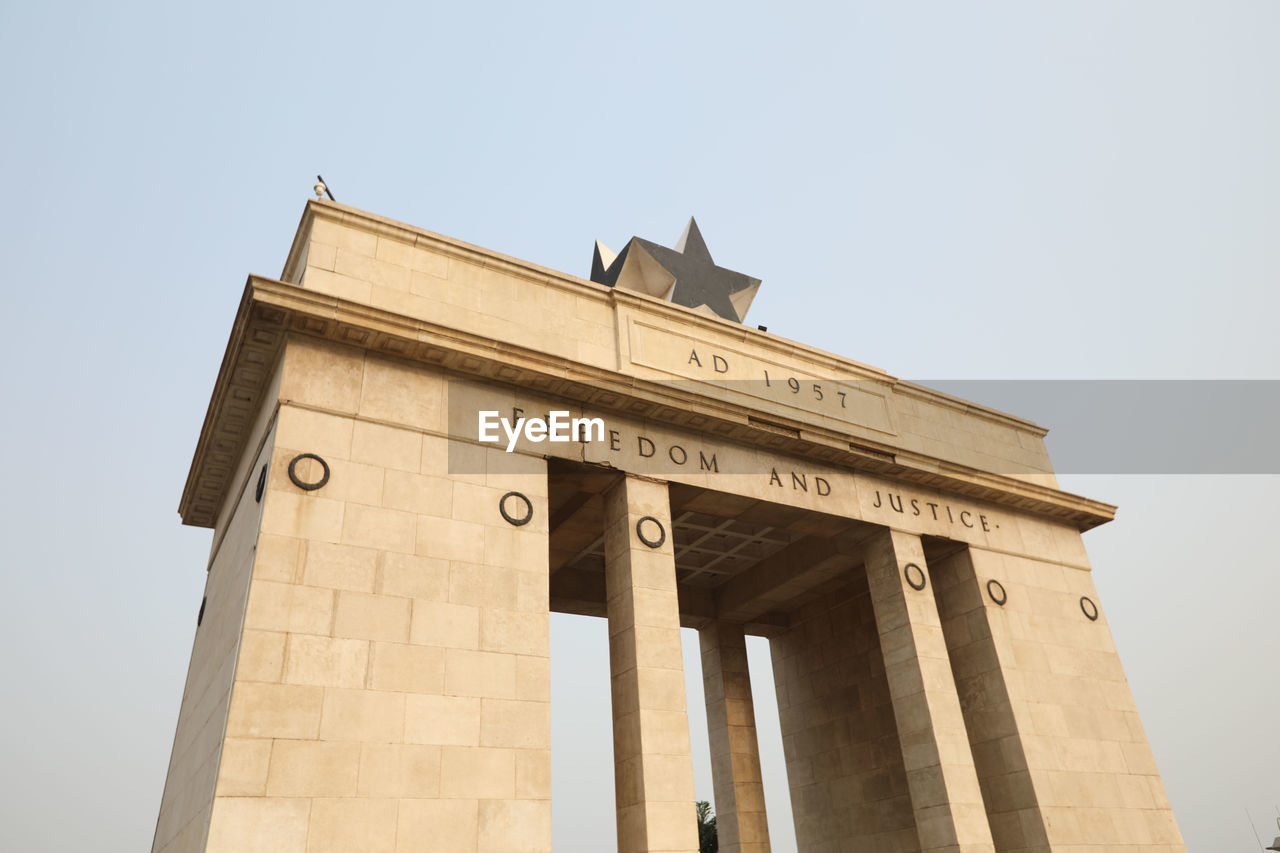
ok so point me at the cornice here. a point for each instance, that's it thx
(835, 366)
(271, 310)
(251, 352)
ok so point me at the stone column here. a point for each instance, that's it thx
(731, 727)
(653, 771)
(945, 796)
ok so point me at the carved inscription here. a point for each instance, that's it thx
(866, 403)
(782, 480)
(813, 392)
(916, 507)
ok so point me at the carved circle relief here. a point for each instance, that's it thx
(914, 575)
(525, 516)
(262, 483)
(297, 481)
(657, 539)
(995, 589)
(1089, 609)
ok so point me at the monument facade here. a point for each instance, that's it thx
(417, 449)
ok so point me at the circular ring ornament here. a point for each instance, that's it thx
(293, 472)
(518, 521)
(911, 575)
(262, 484)
(655, 542)
(1089, 609)
(995, 589)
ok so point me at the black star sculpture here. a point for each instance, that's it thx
(685, 275)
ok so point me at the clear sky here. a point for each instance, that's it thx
(972, 191)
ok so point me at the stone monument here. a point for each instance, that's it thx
(417, 449)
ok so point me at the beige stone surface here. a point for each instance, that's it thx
(407, 668)
(306, 768)
(399, 770)
(378, 667)
(276, 711)
(345, 824)
(741, 823)
(844, 758)
(1060, 752)
(941, 778)
(202, 758)
(372, 672)
(653, 775)
(433, 278)
(255, 823)
(428, 825)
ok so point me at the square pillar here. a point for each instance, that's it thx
(653, 770)
(741, 823)
(941, 777)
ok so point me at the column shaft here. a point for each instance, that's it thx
(653, 771)
(945, 796)
(741, 823)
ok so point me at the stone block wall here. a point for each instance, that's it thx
(844, 759)
(1061, 754)
(373, 671)
(198, 749)
(392, 687)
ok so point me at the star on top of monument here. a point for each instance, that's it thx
(685, 275)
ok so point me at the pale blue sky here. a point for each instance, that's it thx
(966, 191)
